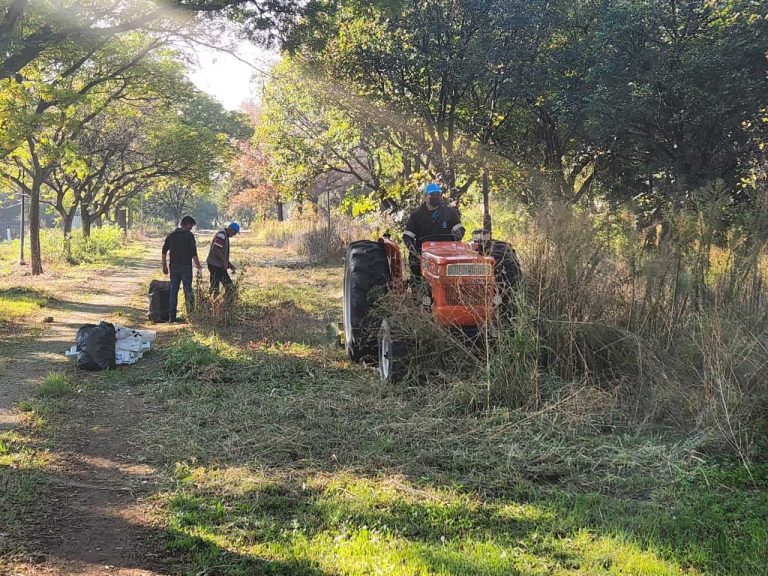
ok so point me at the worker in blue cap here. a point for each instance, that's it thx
(218, 258)
(433, 218)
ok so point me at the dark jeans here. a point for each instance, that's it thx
(178, 277)
(219, 276)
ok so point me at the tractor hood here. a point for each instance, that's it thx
(436, 254)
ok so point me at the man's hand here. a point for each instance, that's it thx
(232, 267)
(165, 268)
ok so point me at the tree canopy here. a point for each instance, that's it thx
(637, 101)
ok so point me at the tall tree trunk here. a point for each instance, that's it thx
(66, 224)
(279, 206)
(85, 217)
(34, 227)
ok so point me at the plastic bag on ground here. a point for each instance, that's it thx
(96, 347)
(159, 292)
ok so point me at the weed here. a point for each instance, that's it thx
(56, 385)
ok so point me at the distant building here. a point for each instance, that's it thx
(10, 216)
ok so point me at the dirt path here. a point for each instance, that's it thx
(98, 520)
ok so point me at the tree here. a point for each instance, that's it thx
(674, 82)
(32, 29)
(127, 117)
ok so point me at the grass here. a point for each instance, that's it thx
(289, 460)
(17, 303)
(56, 385)
(106, 246)
(284, 458)
(347, 524)
(22, 485)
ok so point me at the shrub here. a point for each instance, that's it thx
(98, 246)
(321, 246)
(312, 239)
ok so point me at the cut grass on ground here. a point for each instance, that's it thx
(294, 464)
(289, 460)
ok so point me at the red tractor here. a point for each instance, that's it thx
(466, 283)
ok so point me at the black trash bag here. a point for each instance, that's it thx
(159, 294)
(96, 347)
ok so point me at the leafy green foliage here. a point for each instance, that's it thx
(553, 99)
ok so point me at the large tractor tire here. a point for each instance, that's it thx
(393, 353)
(508, 275)
(366, 279)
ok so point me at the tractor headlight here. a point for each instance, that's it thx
(468, 270)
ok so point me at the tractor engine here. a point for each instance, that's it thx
(461, 281)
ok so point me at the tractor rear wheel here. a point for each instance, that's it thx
(393, 354)
(366, 279)
(508, 275)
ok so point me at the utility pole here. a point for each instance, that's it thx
(23, 219)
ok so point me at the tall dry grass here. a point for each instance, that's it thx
(621, 326)
(671, 319)
(313, 239)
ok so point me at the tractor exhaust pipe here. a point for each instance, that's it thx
(483, 237)
(487, 225)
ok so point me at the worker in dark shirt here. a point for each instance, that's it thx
(183, 248)
(432, 218)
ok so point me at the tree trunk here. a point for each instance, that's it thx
(34, 227)
(66, 223)
(85, 217)
(279, 206)
(121, 217)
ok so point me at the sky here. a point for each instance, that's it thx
(228, 79)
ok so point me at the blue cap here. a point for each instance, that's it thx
(234, 226)
(432, 188)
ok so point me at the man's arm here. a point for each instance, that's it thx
(165, 256)
(457, 228)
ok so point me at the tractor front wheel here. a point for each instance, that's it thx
(393, 354)
(366, 279)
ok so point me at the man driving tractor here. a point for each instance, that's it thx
(433, 218)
